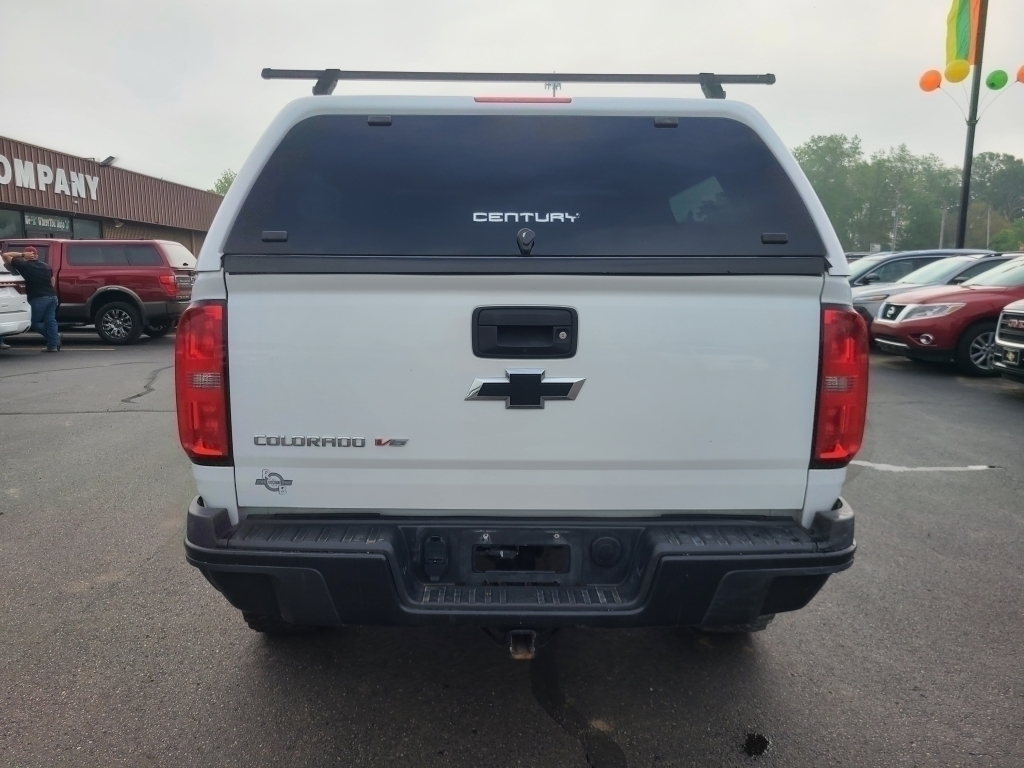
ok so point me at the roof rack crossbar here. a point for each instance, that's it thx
(326, 79)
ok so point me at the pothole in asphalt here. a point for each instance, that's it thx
(756, 744)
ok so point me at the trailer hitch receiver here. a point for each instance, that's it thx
(522, 644)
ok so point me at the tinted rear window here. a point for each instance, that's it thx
(113, 256)
(179, 256)
(42, 251)
(465, 185)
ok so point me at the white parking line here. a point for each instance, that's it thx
(895, 468)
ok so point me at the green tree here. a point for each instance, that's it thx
(896, 198)
(930, 187)
(221, 186)
(998, 180)
(982, 222)
(1011, 238)
(884, 184)
(830, 163)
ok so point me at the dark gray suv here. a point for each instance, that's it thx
(890, 267)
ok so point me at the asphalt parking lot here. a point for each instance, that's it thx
(114, 652)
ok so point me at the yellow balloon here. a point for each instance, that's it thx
(957, 71)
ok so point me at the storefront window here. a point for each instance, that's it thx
(10, 224)
(45, 225)
(86, 230)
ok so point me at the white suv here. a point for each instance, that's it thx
(520, 365)
(15, 312)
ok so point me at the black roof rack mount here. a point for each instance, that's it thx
(326, 79)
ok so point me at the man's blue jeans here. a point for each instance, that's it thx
(44, 319)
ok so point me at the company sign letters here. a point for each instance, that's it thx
(38, 176)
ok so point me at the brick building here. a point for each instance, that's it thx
(50, 194)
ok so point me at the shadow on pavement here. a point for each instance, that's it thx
(453, 697)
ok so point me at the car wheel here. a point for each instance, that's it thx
(118, 323)
(159, 328)
(974, 350)
(269, 625)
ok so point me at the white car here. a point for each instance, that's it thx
(520, 365)
(15, 312)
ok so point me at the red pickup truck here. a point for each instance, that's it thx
(123, 287)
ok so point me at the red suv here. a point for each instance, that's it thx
(955, 323)
(123, 287)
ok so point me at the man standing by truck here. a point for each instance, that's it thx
(42, 296)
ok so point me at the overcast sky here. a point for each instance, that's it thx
(172, 89)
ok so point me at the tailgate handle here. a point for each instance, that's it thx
(524, 332)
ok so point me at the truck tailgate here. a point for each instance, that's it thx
(699, 395)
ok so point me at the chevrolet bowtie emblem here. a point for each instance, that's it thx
(525, 388)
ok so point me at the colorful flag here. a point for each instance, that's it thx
(962, 30)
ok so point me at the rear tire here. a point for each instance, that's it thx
(118, 323)
(758, 625)
(159, 328)
(268, 625)
(974, 350)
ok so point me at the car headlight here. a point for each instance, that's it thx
(871, 298)
(927, 311)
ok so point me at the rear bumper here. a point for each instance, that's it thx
(14, 322)
(1015, 372)
(331, 572)
(905, 338)
(910, 348)
(158, 310)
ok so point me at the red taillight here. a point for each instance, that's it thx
(842, 388)
(18, 286)
(201, 383)
(170, 284)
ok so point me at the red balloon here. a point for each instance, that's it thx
(932, 79)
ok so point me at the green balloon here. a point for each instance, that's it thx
(997, 80)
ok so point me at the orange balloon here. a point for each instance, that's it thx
(932, 79)
(1020, 75)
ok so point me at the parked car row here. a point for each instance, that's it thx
(949, 311)
(123, 288)
(952, 269)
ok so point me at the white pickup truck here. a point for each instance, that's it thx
(520, 365)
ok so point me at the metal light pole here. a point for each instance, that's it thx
(972, 124)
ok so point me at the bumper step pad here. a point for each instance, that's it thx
(737, 538)
(665, 572)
